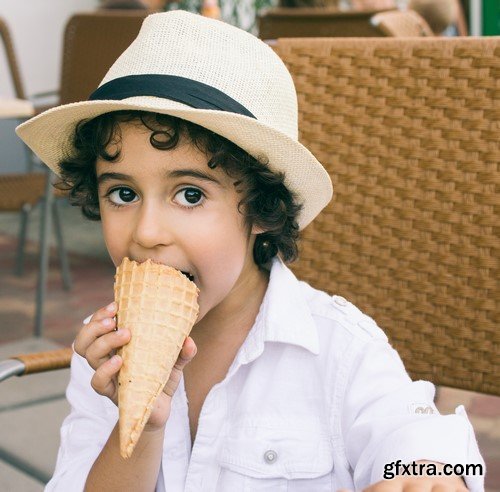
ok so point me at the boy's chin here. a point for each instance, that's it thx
(204, 311)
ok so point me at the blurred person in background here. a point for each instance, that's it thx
(152, 5)
(342, 4)
(309, 3)
(441, 15)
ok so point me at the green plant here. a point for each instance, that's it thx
(241, 13)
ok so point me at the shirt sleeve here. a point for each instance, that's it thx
(84, 432)
(387, 417)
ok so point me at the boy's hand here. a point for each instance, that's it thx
(97, 343)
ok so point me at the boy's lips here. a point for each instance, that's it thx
(185, 272)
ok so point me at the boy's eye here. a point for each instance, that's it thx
(120, 196)
(189, 197)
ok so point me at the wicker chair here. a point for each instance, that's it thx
(92, 43)
(408, 130)
(400, 24)
(21, 192)
(330, 22)
(315, 22)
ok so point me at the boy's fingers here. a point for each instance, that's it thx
(108, 311)
(187, 353)
(91, 332)
(100, 350)
(102, 381)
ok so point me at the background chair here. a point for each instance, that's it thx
(330, 22)
(92, 42)
(341, 4)
(408, 130)
(24, 191)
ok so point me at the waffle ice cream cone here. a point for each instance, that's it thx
(158, 304)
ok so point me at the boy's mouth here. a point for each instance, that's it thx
(189, 276)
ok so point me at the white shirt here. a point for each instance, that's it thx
(315, 400)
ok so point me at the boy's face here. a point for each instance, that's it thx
(168, 205)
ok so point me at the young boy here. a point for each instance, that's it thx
(188, 153)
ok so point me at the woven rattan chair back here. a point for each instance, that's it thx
(20, 189)
(401, 24)
(92, 43)
(315, 22)
(11, 60)
(408, 130)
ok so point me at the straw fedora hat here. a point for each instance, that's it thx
(207, 72)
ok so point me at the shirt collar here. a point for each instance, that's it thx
(284, 316)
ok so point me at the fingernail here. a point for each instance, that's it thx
(115, 360)
(107, 322)
(111, 307)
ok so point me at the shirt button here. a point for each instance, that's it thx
(270, 456)
(340, 300)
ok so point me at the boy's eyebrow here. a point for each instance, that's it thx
(192, 173)
(108, 176)
(178, 173)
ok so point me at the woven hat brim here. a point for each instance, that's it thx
(49, 135)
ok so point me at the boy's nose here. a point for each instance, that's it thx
(149, 230)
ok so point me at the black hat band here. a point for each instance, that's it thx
(187, 91)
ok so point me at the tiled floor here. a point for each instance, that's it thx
(93, 273)
(64, 311)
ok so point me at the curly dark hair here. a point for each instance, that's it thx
(267, 203)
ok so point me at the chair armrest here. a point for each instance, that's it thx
(20, 365)
(10, 367)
